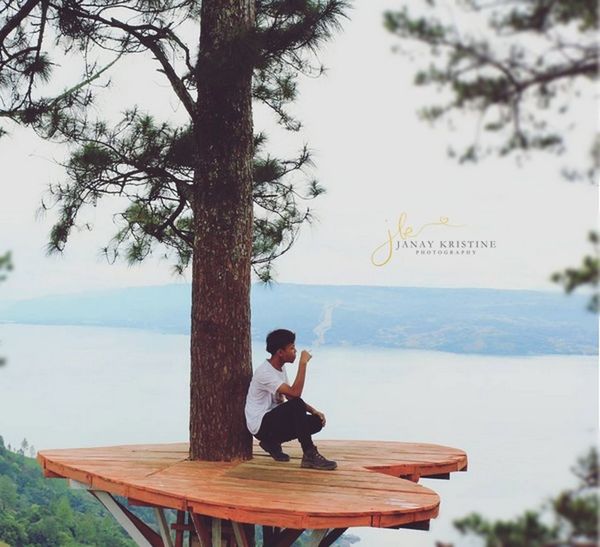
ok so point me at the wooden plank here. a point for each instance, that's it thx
(388, 521)
(285, 519)
(139, 503)
(51, 475)
(248, 493)
(356, 491)
(347, 478)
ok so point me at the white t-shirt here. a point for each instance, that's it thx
(262, 394)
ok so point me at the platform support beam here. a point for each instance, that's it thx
(419, 525)
(240, 534)
(285, 538)
(209, 530)
(316, 536)
(139, 531)
(201, 530)
(443, 476)
(331, 537)
(163, 526)
(216, 532)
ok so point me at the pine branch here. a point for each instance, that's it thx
(17, 19)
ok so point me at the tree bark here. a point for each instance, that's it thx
(222, 203)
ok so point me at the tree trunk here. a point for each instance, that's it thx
(222, 203)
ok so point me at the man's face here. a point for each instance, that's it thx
(288, 354)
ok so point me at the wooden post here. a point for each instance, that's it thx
(201, 530)
(179, 532)
(216, 532)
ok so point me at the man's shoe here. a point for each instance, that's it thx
(313, 460)
(274, 450)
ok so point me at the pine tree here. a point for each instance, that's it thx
(585, 274)
(574, 515)
(24, 446)
(520, 73)
(5, 266)
(207, 191)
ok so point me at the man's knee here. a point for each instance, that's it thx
(315, 424)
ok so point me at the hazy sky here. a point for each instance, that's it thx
(377, 161)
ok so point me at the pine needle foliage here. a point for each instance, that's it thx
(5, 266)
(586, 275)
(519, 73)
(519, 70)
(573, 522)
(149, 161)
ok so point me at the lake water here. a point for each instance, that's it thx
(522, 420)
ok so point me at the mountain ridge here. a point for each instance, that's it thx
(459, 320)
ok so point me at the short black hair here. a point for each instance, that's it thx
(278, 339)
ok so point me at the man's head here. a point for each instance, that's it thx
(280, 343)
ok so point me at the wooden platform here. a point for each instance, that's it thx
(365, 489)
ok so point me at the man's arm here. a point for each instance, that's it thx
(295, 390)
(313, 411)
(310, 409)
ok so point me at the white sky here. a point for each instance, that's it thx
(376, 160)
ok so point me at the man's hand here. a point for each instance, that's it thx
(320, 415)
(305, 356)
(295, 390)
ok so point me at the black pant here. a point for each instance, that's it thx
(289, 421)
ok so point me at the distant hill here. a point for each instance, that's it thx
(35, 511)
(487, 321)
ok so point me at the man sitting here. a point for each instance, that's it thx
(272, 420)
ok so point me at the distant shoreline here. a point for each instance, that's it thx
(459, 321)
(260, 341)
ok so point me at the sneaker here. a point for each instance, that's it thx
(274, 450)
(313, 460)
